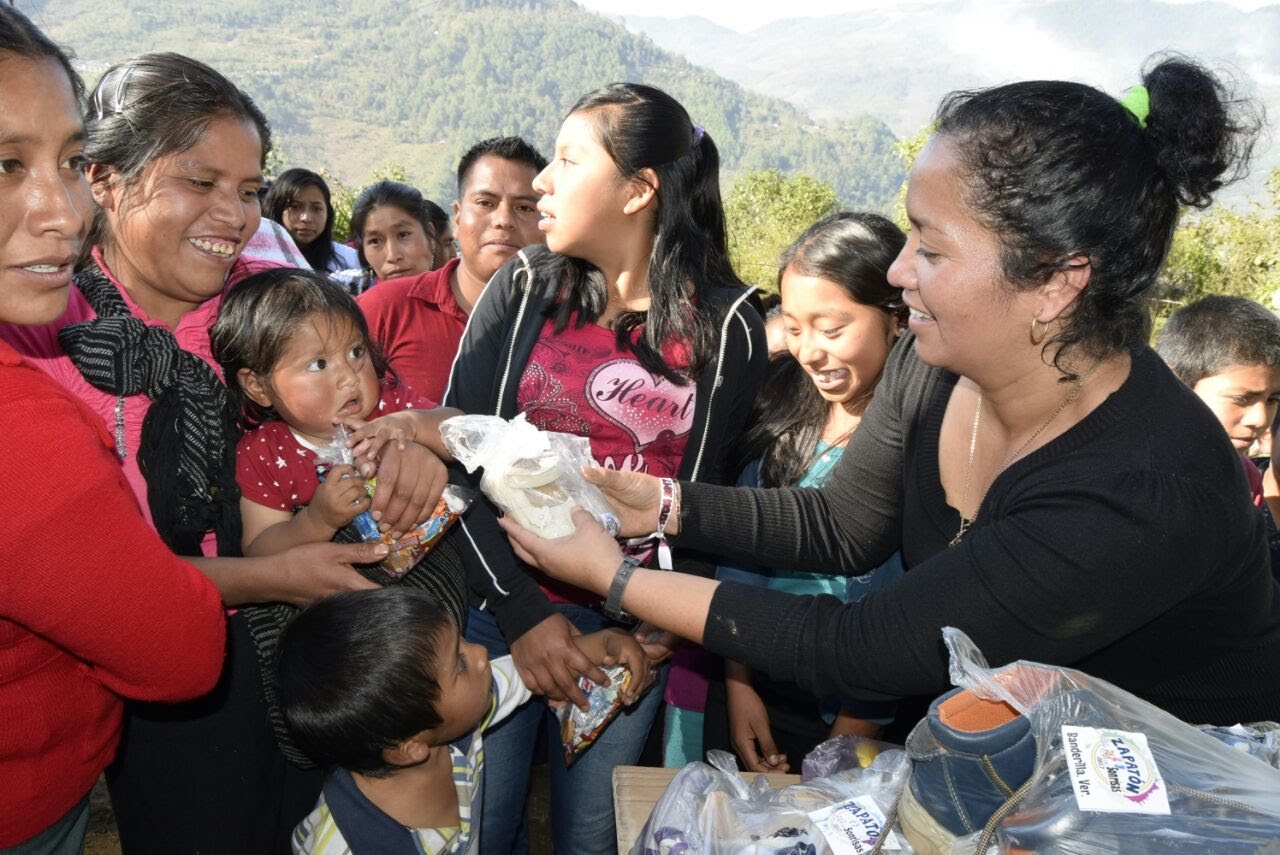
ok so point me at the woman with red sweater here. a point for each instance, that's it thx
(175, 153)
(94, 608)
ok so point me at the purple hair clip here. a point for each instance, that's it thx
(698, 133)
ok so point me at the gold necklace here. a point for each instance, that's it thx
(967, 522)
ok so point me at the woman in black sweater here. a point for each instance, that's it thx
(1058, 494)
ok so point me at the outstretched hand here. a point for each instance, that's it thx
(549, 661)
(308, 572)
(749, 727)
(587, 558)
(658, 644)
(635, 498)
(617, 647)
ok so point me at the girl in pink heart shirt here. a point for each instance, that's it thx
(630, 328)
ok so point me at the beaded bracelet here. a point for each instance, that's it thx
(668, 502)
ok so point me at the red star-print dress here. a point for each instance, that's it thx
(275, 469)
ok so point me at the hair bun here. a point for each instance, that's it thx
(1201, 135)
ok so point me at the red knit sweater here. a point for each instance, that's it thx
(93, 606)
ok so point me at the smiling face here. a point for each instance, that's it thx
(965, 315)
(584, 196)
(177, 230)
(1245, 399)
(841, 343)
(465, 678)
(44, 198)
(306, 215)
(395, 243)
(324, 373)
(495, 215)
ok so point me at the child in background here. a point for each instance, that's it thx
(380, 687)
(1227, 349)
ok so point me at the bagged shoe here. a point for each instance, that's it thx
(1111, 773)
(968, 757)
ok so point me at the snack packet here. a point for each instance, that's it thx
(580, 728)
(534, 476)
(409, 549)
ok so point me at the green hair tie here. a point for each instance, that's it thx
(1138, 102)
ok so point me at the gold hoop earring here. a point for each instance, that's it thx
(1044, 333)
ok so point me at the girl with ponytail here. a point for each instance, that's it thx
(630, 328)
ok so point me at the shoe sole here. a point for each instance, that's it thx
(922, 831)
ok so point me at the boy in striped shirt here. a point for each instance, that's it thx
(380, 687)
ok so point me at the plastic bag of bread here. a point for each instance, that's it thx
(533, 476)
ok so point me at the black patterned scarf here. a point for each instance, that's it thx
(187, 451)
(187, 456)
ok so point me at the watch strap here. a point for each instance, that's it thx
(613, 602)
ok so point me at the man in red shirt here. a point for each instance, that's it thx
(418, 320)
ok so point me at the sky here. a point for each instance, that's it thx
(746, 15)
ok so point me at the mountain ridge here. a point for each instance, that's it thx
(896, 62)
(460, 70)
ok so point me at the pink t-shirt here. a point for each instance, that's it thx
(277, 471)
(578, 382)
(39, 345)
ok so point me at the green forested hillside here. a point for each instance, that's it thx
(354, 84)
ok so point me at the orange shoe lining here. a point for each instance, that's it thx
(968, 713)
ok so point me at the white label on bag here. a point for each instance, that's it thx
(1113, 771)
(853, 827)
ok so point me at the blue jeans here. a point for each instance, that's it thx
(582, 818)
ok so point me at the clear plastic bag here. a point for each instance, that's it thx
(711, 810)
(840, 753)
(534, 476)
(1114, 774)
(1260, 739)
(414, 545)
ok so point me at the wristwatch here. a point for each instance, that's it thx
(613, 603)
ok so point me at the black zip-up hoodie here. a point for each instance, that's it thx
(500, 335)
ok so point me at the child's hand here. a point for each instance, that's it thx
(749, 723)
(614, 647)
(659, 645)
(368, 438)
(340, 498)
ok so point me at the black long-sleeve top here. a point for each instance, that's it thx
(1127, 548)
